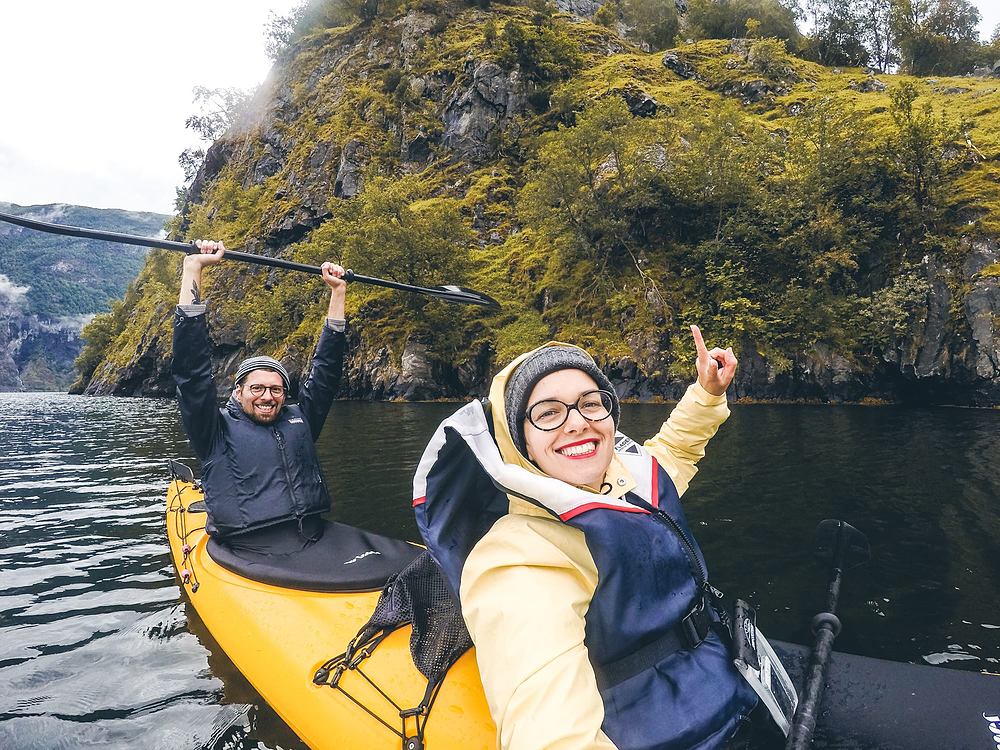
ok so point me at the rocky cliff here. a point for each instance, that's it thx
(50, 287)
(35, 354)
(838, 229)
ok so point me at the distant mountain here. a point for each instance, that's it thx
(51, 286)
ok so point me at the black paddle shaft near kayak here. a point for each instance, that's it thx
(449, 293)
(843, 547)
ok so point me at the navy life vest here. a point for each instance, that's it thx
(648, 565)
(255, 475)
(262, 474)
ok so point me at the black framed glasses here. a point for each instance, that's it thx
(257, 389)
(551, 414)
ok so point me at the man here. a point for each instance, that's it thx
(263, 486)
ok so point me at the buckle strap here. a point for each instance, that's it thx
(689, 633)
(696, 624)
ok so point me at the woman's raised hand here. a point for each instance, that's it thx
(716, 367)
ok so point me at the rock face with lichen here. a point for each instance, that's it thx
(465, 109)
(475, 116)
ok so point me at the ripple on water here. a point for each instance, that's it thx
(94, 648)
(144, 665)
(187, 723)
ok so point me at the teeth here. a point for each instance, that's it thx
(579, 450)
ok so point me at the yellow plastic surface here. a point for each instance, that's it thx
(279, 637)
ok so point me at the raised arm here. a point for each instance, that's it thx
(333, 277)
(211, 253)
(320, 388)
(680, 443)
(192, 361)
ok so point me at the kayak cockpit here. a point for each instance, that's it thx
(344, 559)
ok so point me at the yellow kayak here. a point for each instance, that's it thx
(278, 637)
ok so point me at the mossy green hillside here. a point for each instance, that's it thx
(782, 205)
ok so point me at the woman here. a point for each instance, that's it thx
(580, 581)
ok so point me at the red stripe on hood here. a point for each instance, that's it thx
(591, 506)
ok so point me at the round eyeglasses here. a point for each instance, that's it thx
(257, 389)
(551, 414)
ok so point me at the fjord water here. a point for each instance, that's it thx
(99, 647)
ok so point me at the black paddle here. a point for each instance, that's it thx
(449, 293)
(844, 547)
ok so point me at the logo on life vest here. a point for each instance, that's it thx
(994, 727)
(626, 445)
(362, 556)
(750, 632)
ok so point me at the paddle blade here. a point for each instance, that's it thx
(841, 545)
(463, 296)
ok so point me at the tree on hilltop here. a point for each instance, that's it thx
(838, 33)
(936, 37)
(727, 19)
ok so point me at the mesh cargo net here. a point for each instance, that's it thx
(419, 596)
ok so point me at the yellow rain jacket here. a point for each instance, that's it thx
(533, 574)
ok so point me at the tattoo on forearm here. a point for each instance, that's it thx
(195, 293)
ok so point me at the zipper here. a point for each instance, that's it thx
(667, 520)
(280, 440)
(700, 577)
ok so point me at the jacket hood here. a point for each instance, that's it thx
(234, 408)
(508, 450)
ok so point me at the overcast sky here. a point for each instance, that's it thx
(95, 92)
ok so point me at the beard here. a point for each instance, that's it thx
(263, 419)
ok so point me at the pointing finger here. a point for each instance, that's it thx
(699, 342)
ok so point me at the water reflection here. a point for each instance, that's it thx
(97, 647)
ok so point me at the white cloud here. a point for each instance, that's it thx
(67, 323)
(10, 293)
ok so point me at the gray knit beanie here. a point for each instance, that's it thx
(544, 362)
(261, 363)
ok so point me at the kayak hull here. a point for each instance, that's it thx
(874, 703)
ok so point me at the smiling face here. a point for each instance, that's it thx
(579, 452)
(262, 409)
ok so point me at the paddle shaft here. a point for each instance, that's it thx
(826, 626)
(845, 547)
(456, 295)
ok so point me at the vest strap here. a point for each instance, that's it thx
(689, 633)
